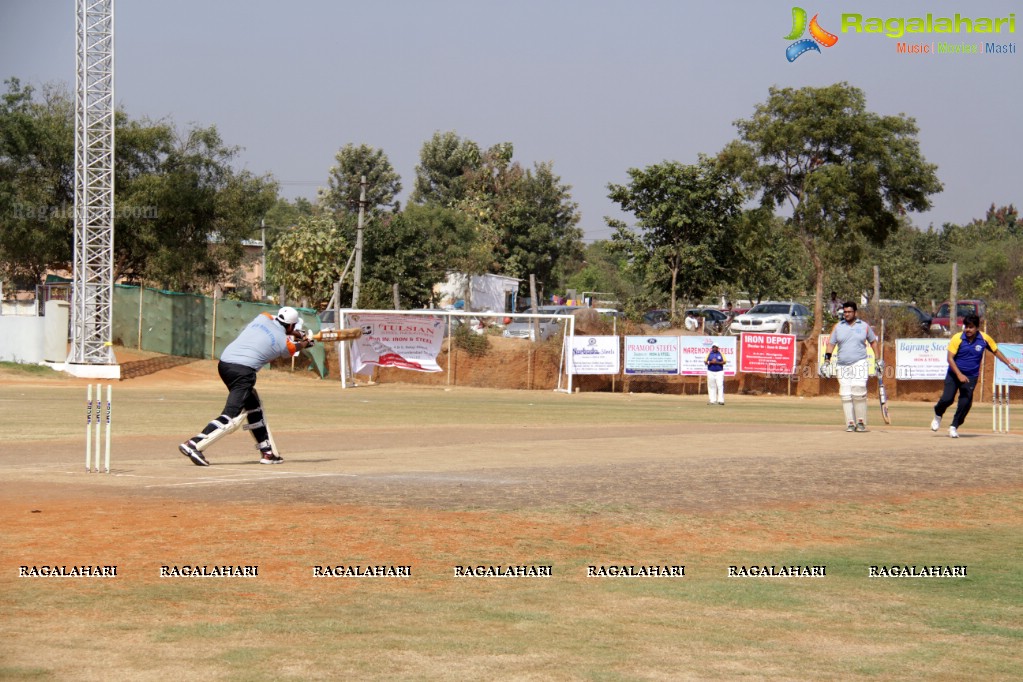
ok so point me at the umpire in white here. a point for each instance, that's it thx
(851, 337)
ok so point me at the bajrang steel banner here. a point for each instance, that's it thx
(921, 359)
(767, 353)
(651, 355)
(594, 355)
(395, 340)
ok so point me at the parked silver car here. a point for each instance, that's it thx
(522, 327)
(774, 317)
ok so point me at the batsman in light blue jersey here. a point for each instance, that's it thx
(851, 336)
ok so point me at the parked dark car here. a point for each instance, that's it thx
(658, 319)
(923, 319)
(715, 321)
(900, 319)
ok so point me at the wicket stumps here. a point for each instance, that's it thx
(1000, 409)
(90, 422)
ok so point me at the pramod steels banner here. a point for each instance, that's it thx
(651, 355)
(394, 340)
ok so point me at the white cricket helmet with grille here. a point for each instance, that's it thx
(287, 315)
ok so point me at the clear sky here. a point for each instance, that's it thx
(595, 86)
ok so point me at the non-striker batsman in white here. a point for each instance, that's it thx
(266, 338)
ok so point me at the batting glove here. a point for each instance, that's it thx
(879, 366)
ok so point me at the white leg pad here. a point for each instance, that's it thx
(847, 408)
(225, 425)
(859, 400)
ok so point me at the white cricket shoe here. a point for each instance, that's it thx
(952, 433)
(935, 423)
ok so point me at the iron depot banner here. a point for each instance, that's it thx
(1004, 375)
(767, 353)
(651, 355)
(395, 340)
(921, 359)
(694, 349)
(594, 355)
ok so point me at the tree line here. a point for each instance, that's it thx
(813, 192)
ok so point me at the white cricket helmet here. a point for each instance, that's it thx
(287, 315)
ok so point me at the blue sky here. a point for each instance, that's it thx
(594, 86)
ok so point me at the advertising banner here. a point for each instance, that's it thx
(594, 355)
(921, 359)
(1004, 375)
(651, 355)
(822, 345)
(767, 353)
(694, 349)
(395, 340)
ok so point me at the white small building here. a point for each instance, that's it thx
(493, 293)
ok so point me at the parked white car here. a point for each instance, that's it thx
(774, 317)
(522, 327)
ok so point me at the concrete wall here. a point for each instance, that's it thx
(22, 339)
(32, 340)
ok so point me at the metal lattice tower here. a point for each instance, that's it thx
(92, 300)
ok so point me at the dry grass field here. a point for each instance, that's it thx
(439, 482)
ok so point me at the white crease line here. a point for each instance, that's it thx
(260, 479)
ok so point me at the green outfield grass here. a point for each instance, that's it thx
(288, 625)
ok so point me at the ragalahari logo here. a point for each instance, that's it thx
(817, 35)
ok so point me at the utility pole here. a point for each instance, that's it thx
(356, 284)
(953, 301)
(262, 263)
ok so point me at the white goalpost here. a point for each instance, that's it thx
(343, 320)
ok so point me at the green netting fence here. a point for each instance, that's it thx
(190, 325)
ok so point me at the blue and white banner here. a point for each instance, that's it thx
(651, 355)
(1004, 375)
(594, 355)
(917, 359)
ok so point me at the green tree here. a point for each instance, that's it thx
(988, 252)
(415, 251)
(604, 269)
(840, 169)
(203, 211)
(181, 211)
(309, 257)
(383, 184)
(444, 161)
(540, 234)
(36, 182)
(767, 260)
(687, 216)
(526, 222)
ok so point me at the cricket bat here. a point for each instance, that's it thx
(346, 334)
